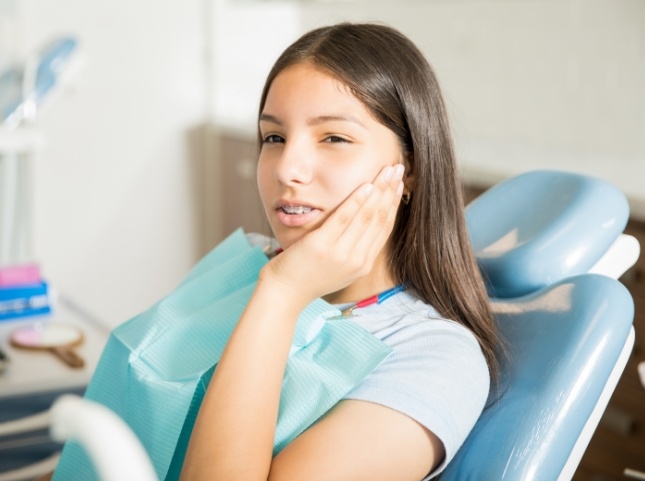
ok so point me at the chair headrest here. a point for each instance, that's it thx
(541, 227)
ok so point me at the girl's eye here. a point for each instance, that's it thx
(336, 139)
(273, 139)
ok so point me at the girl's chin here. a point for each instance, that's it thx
(286, 241)
(287, 236)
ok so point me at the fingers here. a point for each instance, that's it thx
(338, 221)
(384, 229)
(370, 226)
(362, 202)
(367, 226)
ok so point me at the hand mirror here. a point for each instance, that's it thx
(55, 337)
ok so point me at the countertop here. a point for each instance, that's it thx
(32, 372)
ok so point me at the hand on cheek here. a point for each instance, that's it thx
(345, 246)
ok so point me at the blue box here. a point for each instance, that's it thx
(24, 301)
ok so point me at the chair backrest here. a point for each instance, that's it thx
(568, 333)
(564, 342)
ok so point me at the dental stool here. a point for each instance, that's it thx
(550, 246)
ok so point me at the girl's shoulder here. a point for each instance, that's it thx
(404, 318)
(436, 373)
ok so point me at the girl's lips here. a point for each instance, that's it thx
(296, 220)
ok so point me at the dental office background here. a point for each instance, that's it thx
(126, 182)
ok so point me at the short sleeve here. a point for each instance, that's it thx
(437, 375)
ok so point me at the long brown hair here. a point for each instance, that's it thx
(431, 248)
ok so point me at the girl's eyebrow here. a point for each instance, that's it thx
(320, 119)
(269, 118)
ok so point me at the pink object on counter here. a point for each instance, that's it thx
(19, 275)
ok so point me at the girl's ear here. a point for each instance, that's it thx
(408, 175)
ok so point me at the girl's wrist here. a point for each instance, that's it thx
(280, 293)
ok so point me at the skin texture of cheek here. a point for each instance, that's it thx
(358, 165)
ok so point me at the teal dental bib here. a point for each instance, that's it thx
(156, 367)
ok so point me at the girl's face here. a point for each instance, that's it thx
(320, 143)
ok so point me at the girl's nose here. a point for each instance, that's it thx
(295, 165)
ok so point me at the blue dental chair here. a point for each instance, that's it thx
(550, 245)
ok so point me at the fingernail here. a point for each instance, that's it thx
(389, 172)
(366, 189)
(399, 189)
(398, 171)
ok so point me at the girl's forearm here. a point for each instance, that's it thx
(234, 432)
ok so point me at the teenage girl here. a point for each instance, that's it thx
(358, 179)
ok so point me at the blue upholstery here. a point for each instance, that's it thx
(563, 343)
(534, 237)
(541, 227)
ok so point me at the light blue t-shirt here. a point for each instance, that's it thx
(436, 374)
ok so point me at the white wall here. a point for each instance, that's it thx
(528, 83)
(532, 84)
(116, 192)
(567, 73)
(561, 73)
(248, 38)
